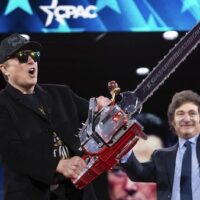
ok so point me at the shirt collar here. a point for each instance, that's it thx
(182, 141)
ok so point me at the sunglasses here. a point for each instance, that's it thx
(23, 56)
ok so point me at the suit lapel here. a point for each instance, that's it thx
(171, 159)
(198, 149)
(170, 162)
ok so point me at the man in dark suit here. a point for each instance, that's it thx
(38, 127)
(176, 173)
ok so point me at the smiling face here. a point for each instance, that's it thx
(186, 120)
(22, 76)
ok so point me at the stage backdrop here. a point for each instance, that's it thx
(70, 16)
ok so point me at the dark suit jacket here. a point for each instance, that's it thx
(159, 169)
(26, 139)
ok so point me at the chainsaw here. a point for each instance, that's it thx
(109, 134)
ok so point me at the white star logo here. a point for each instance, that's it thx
(63, 12)
(47, 9)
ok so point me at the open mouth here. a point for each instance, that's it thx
(31, 71)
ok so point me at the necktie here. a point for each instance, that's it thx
(185, 183)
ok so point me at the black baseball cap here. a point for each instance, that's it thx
(15, 43)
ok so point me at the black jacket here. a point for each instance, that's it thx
(26, 139)
(159, 169)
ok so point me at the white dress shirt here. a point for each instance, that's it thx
(195, 170)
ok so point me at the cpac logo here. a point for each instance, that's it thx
(63, 12)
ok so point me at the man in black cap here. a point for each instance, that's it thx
(38, 124)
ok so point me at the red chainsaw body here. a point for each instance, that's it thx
(116, 136)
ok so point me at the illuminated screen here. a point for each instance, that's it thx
(56, 16)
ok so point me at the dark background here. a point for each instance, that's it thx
(87, 61)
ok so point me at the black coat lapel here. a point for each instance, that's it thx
(43, 97)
